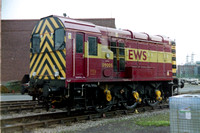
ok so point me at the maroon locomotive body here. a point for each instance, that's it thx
(81, 65)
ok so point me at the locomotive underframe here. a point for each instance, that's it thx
(53, 93)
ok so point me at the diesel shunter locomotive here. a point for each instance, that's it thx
(79, 65)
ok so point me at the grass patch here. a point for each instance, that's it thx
(11, 87)
(154, 120)
(4, 89)
(153, 123)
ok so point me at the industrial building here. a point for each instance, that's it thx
(189, 69)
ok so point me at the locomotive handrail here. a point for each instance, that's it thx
(138, 40)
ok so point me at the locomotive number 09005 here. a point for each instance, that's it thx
(109, 65)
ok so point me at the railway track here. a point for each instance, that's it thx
(27, 123)
(10, 103)
(17, 106)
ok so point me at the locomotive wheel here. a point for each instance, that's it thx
(130, 105)
(151, 96)
(101, 104)
(152, 102)
(103, 108)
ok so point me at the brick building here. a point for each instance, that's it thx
(15, 39)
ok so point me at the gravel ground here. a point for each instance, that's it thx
(122, 124)
(27, 113)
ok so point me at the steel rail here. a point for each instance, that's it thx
(20, 108)
(27, 123)
(17, 106)
(4, 103)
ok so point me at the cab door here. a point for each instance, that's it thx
(118, 48)
(79, 55)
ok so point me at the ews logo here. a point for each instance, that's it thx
(137, 55)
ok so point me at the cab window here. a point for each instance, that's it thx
(113, 48)
(59, 39)
(79, 43)
(36, 43)
(92, 45)
(121, 49)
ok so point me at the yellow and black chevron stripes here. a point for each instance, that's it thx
(46, 64)
(173, 48)
(45, 43)
(48, 61)
(47, 24)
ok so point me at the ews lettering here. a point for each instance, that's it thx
(137, 55)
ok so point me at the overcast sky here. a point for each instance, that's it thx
(177, 19)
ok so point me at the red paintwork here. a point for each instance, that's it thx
(80, 69)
